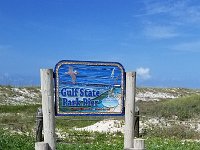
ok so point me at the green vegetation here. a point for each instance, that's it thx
(184, 108)
(66, 123)
(18, 117)
(18, 121)
(103, 142)
(170, 144)
(15, 141)
(30, 109)
(176, 131)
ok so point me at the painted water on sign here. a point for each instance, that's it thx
(89, 88)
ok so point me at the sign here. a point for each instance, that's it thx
(89, 88)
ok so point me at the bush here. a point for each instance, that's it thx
(176, 131)
(15, 141)
(184, 108)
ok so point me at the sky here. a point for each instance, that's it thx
(160, 40)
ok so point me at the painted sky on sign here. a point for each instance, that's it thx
(90, 74)
(158, 39)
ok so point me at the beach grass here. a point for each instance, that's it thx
(184, 108)
(16, 141)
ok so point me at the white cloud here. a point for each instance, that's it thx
(153, 8)
(159, 32)
(143, 73)
(188, 46)
(165, 19)
(184, 11)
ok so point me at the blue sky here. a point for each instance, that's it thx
(158, 39)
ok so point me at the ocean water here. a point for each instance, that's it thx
(110, 102)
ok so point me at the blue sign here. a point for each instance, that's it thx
(89, 88)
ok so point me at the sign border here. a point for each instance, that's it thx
(97, 63)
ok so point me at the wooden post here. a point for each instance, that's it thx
(48, 107)
(41, 146)
(139, 144)
(136, 122)
(129, 109)
(39, 125)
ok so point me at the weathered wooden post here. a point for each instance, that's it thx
(41, 146)
(39, 125)
(47, 89)
(136, 122)
(139, 144)
(129, 109)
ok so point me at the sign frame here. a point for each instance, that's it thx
(88, 63)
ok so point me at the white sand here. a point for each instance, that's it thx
(105, 126)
